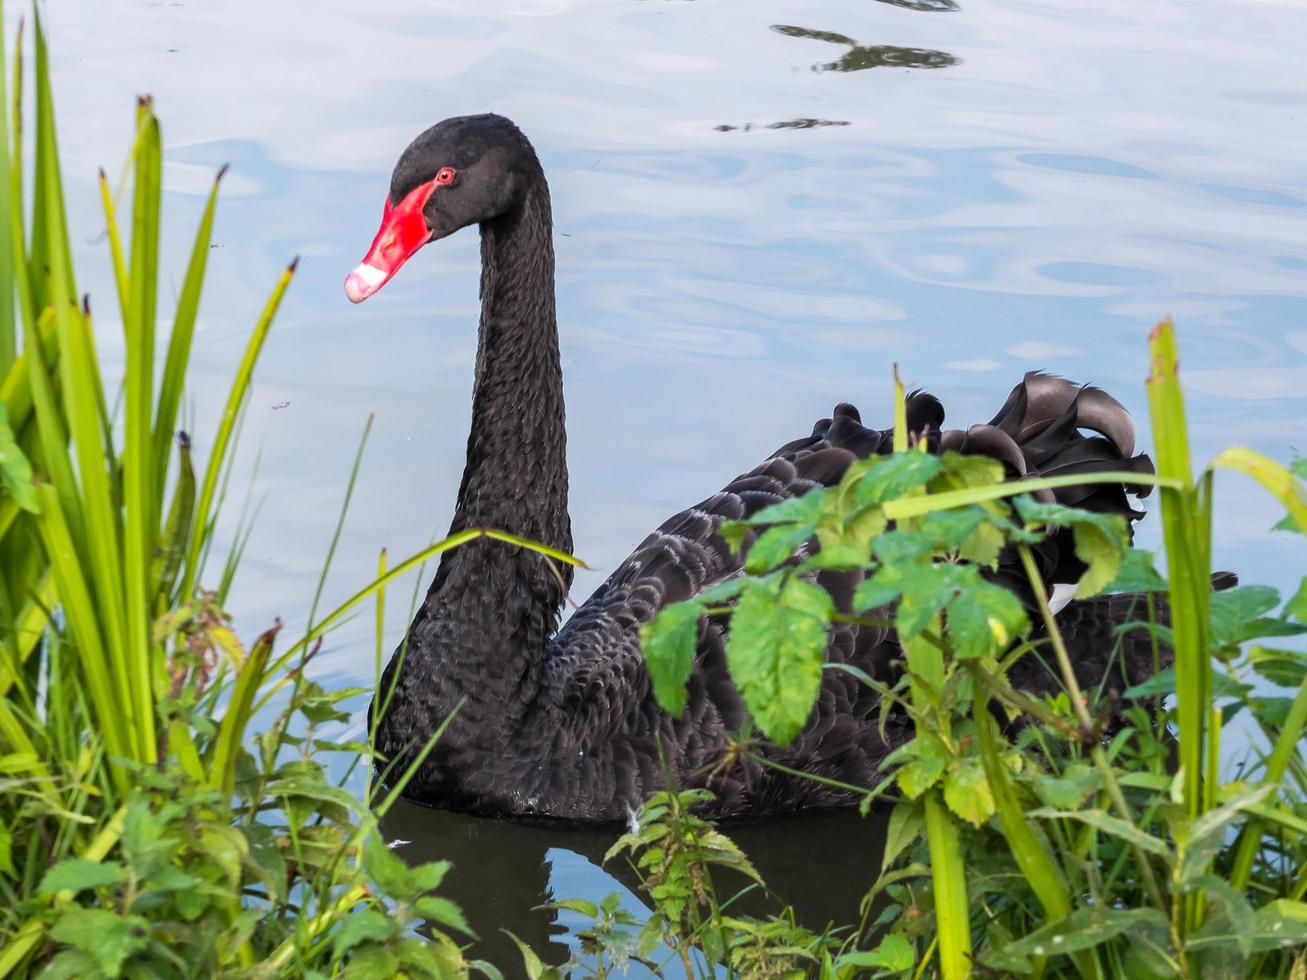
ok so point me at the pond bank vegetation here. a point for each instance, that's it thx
(148, 829)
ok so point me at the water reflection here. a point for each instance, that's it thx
(820, 864)
(929, 6)
(859, 56)
(786, 124)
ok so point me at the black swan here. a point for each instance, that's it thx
(561, 723)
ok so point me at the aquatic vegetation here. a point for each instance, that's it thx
(149, 825)
(1072, 833)
(145, 828)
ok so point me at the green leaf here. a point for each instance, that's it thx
(721, 592)
(846, 538)
(443, 912)
(106, 937)
(1163, 683)
(906, 823)
(534, 968)
(929, 757)
(961, 470)
(775, 651)
(1069, 789)
(1110, 825)
(578, 905)
(1082, 929)
(668, 641)
(894, 953)
(968, 794)
(1297, 604)
(1204, 837)
(1284, 667)
(1137, 573)
(372, 963)
(947, 529)
(984, 619)
(1236, 615)
(927, 590)
(775, 546)
(889, 477)
(15, 470)
(902, 546)
(386, 868)
(879, 590)
(801, 510)
(366, 925)
(1101, 539)
(76, 874)
(427, 877)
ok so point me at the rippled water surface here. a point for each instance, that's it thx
(759, 206)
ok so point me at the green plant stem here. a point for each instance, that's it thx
(897, 510)
(1250, 839)
(1087, 723)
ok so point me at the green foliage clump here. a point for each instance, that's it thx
(1054, 834)
(144, 831)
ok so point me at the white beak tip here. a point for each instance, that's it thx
(363, 282)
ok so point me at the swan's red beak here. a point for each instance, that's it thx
(403, 231)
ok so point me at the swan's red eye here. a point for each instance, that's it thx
(445, 176)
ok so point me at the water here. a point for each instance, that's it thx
(760, 207)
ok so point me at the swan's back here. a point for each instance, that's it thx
(597, 720)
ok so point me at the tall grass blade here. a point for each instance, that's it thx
(1183, 523)
(114, 237)
(79, 610)
(218, 454)
(8, 258)
(231, 730)
(179, 345)
(140, 502)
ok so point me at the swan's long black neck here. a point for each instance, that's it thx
(481, 634)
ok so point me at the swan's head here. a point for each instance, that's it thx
(460, 172)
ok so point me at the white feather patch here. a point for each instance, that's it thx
(1063, 593)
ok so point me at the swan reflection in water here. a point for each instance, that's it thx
(821, 864)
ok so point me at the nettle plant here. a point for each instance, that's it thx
(1038, 828)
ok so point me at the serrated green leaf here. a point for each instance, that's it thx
(1110, 825)
(1137, 573)
(1100, 539)
(442, 911)
(984, 619)
(721, 592)
(926, 768)
(103, 935)
(668, 642)
(879, 590)
(427, 877)
(386, 868)
(76, 874)
(775, 546)
(775, 651)
(894, 953)
(1284, 667)
(906, 823)
(947, 529)
(1082, 929)
(926, 591)
(889, 477)
(1068, 790)
(968, 794)
(365, 925)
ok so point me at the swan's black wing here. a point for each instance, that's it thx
(595, 674)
